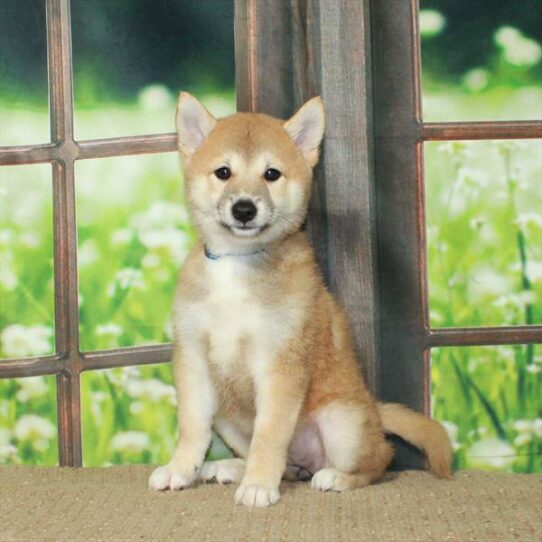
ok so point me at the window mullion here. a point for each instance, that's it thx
(65, 233)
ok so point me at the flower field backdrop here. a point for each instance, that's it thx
(484, 225)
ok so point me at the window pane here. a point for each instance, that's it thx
(484, 222)
(28, 427)
(26, 261)
(133, 235)
(23, 73)
(130, 416)
(488, 398)
(132, 58)
(481, 61)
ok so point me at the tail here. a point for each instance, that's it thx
(421, 431)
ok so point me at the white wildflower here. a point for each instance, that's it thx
(4, 407)
(30, 388)
(517, 301)
(491, 453)
(8, 452)
(99, 396)
(126, 278)
(110, 330)
(453, 434)
(522, 426)
(130, 278)
(527, 430)
(488, 281)
(22, 341)
(5, 435)
(160, 228)
(432, 23)
(6, 236)
(161, 214)
(130, 372)
(88, 253)
(522, 439)
(526, 219)
(150, 260)
(477, 222)
(176, 242)
(533, 369)
(8, 278)
(136, 408)
(130, 441)
(151, 389)
(122, 236)
(29, 239)
(120, 376)
(34, 429)
(155, 98)
(476, 79)
(533, 269)
(518, 49)
(472, 177)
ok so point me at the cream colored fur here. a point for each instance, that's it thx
(262, 352)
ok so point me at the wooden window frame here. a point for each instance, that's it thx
(367, 219)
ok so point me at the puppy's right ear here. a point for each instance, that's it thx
(194, 123)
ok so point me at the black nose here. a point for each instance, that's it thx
(244, 210)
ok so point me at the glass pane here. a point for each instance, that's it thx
(481, 61)
(488, 398)
(132, 58)
(484, 224)
(133, 235)
(26, 261)
(28, 427)
(23, 73)
(130, 416)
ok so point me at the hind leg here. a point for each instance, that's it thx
(357, 452)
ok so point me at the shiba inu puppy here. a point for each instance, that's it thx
(262, 352)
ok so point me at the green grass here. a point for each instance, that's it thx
(485, 268)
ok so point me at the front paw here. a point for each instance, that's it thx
(254, 495)
(172, 477)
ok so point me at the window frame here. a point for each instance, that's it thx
(378, 142)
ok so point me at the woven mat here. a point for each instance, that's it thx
(42, 504)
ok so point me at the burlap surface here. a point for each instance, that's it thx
(42, 504)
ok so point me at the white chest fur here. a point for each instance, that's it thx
(235, 319)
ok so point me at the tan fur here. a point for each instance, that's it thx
(263, 353)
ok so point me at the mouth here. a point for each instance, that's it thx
(245, 231)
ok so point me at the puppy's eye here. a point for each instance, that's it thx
(223, 173)
(272, 174)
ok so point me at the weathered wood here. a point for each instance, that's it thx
(333, 59)
(263, 56)
(401, 229)
(65, 232)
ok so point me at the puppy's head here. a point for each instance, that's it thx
(248, 176)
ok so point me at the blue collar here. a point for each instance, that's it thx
(212, 256)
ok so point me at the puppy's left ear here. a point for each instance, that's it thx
(194, 124)
(306, 128)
